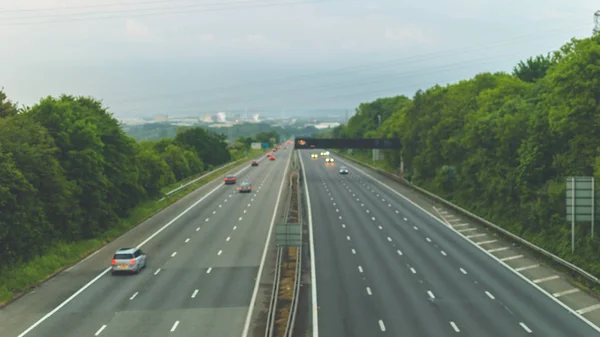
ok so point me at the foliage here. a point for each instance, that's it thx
(68, 172)
(501, 145)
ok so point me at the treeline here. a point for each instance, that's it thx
(501, 145)
(68, 172)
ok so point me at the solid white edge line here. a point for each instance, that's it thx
(313, 269)
(266, 248)
(574, 312)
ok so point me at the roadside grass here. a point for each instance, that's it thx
(18, 279)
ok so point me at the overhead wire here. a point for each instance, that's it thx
(401, 76)
(340, 71)
(129, 13)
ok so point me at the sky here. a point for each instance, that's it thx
(193, 57)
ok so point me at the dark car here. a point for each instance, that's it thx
(245, 188)
(229, 180)
(254, 163)
(343, 170)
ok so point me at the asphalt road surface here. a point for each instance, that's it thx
(199, 280)
(386, 268)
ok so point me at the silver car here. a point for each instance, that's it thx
(130, 260)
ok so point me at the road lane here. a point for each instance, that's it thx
(164, 298)
(340, 291)
(528, 309)
(455, 299)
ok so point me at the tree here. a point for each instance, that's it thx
(534, 68)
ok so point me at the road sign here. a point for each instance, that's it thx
(288, 235)
(580, 198)
(580, 203)
(266, 145)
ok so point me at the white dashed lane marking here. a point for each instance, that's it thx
(381, 325)
(454, 326)
(369, 291)
(187, 240)
(195, 293)
(134, 295)
(463, 271)
(490, 295)
(220, 252)
(174, 253)
(525, 327)
(157, 271)
(389, 239)
(209, 270)
(175, 326)
(100, 330)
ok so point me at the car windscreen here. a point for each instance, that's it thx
(229, 177)
(123, 256)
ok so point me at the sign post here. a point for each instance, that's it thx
(580, 203)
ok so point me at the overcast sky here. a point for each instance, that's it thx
(190, 57)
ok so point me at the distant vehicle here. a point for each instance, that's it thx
(343, 170)
(254, 163)
(230, 180)
(322, 153)
(272, 158)
(329, 160)
(314, 156)
(128, 260)
(245, 187)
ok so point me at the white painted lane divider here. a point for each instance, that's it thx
(405, 219)
(206, 220)
(100, 330)
(195, 293)
(353, 251)
(588, 309)
(343, 226)
(389, 239)
(544, 279)
(134, 295)
(175, 326)
(228, 238)
(511, 258)
(525, 327)
(220, 252)
(360, 269)
(428, 239)
(348, 238)
(157, 271)
(527, 267)
(443, 253)
(454, 326)
(197, 229)
(187, 240)
(399, 252)
(463, 271)
(431, 295)
(566, 292)
(209, 270)
(413, 270)
(174, 253)
(490, 295)
(381, 325)
(498, 249)
(380, 228)
(369, 291)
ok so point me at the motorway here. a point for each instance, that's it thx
(386, 268)
(199, 281)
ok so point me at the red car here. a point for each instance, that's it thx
(254, 163)
(229, 180)
(272, 158)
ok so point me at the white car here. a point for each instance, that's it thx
(329, 160)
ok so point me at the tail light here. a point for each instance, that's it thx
(114, 262)
(132, 261)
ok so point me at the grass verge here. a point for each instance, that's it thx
(17, 280)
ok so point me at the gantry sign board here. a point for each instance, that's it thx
(288, 235)
(580, 199)
(338, 143)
